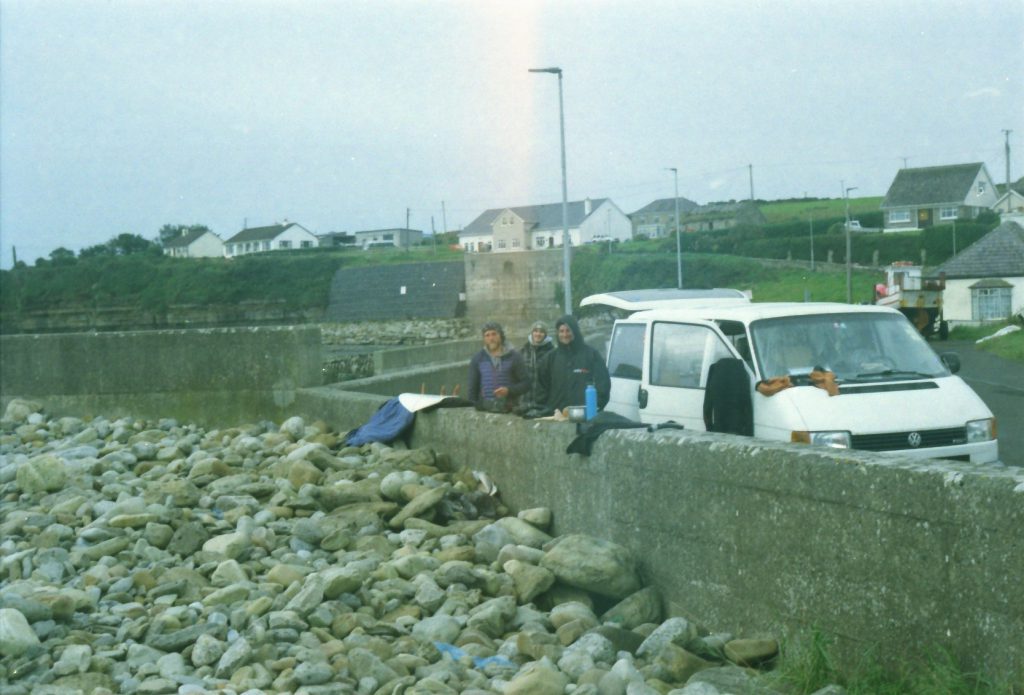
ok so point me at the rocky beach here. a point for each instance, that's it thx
(161, 557)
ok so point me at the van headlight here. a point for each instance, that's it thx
(837, 439)
(981, 430)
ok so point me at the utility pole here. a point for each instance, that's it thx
(433, 233)
(905, 162)
(407, 218)
(14, 256)
(679, 246)
(811, 221)
(1007, 134)
(849, 266)
(444, 217)
(750, 169)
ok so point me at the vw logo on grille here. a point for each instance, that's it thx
(914, 439)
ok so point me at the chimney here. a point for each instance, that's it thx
(587, 206)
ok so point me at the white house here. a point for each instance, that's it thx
(283, 236)
(919, 198)
(985, 281)
(195, 244)
(534, 227)
(398, 237)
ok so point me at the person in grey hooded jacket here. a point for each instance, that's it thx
(565, 372)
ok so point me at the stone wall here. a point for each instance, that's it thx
(888, 555)
(101, 318)
(514, 288)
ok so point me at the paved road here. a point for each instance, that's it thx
(1000, 383)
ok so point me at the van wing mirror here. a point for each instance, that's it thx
(641, 397)
(951, 360)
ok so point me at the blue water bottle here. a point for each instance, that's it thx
(590, 402)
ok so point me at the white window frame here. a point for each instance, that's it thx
(515, 243)
(991, 303)
(501, 243)
(949, 213)
(284, 244)
(896, 216)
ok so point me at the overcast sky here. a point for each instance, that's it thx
(124, 116)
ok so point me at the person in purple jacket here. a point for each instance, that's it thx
(497, 374)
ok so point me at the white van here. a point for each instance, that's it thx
(895, 394)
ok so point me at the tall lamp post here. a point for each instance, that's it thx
(566, 257)
(849, 267)
(679, 247)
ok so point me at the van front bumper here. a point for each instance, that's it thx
(976, 452)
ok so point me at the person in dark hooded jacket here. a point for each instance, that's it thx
(565, 372)
(538, 345)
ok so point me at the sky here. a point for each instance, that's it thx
(123, 116)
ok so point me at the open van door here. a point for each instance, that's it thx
(677, 358)
(625, 367)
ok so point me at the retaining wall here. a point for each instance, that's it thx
(208, 376)
(890, 556)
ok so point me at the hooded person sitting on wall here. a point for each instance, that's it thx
(538, 345)
(565, 372)
(497, 375)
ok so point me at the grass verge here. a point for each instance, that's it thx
(1010, 346)
(810, 664)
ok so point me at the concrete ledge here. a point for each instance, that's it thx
(883, 553)
(416, 356)
(202, 375)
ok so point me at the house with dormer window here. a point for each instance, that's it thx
(923, 197)
(539, 227)
(276, 237)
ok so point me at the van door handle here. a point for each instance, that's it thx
(641, 397)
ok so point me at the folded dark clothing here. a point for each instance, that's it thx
(591, 430)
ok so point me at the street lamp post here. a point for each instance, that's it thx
(849, 267)
(679, 247)
(566, 257)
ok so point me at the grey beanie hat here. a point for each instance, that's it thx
(539, 326)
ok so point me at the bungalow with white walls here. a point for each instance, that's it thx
(276, 237)
(199, 243)
(538, 227)
(398, 237)
(985, 281)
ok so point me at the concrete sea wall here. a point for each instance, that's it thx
(206, 376)
(892, 557)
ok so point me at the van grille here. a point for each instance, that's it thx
(895, 441)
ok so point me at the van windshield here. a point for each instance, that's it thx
(856, 347)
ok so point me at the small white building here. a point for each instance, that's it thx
(398, 237)
(985, 281)
(195, 244)
(538, 227)
(276, 237)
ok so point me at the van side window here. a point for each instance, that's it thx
(681, 354)
(626, 354)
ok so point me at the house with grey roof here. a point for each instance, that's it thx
(657, 219)
(985, 281)
(197, 243)
(923, 197)
(539, 227)
(276, 237)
